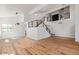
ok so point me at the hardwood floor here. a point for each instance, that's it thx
(47, 46)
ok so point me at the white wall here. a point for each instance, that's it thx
(32, 33)
(64, 28)
(17, 31)
(42, 33)
(76, 23)
(37, 33)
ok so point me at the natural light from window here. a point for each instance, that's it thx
(6, 28)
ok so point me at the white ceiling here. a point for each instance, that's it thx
(30, 11)
(11, 9)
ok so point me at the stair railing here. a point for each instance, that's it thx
(47, 29)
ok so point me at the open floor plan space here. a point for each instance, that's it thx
(47, 46)
(39, 29)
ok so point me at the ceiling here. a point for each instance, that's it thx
(30, 11)
(11, 9)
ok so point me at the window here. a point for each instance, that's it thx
(6, 27)
(55, 17)
(65, 13)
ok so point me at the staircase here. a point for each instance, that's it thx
(38, 31)
(47, 29)
(45, 26)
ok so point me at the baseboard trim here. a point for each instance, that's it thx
(64, 37)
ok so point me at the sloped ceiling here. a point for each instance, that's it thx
(40, 11)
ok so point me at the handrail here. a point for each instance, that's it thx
(47, 29)
(45, 26)
(39, 23)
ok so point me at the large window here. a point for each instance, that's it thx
(6, 28)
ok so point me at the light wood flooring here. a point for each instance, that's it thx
(47, 46)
